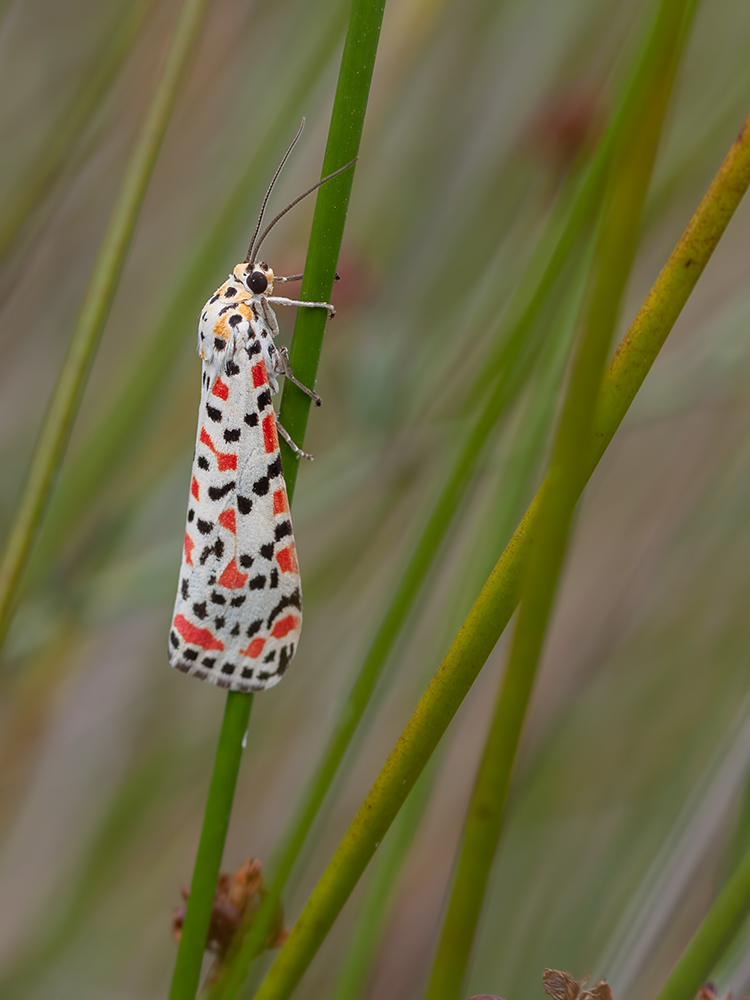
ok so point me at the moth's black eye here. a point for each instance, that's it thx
(257, 282)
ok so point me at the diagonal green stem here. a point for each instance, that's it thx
(495, 604)
(712, 938)
(632, 166)
(101, 291)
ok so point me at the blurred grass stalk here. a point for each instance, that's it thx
(80, 110)
(105, 277)
(344, 137)
(497, 601)
(630, 175)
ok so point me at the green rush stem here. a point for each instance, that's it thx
(712, 938)
(344, 137)
(105, 277)
(495, 605)
(42, 174)
(632, 165)
(187, 968)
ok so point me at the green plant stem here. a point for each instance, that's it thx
(67, 394)
(632, 166)
(712, 938)
(498, 598)
(48, 164)
(187, 968)
(344, 136)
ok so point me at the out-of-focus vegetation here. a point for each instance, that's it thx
(628, 808)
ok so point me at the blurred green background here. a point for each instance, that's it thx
(629, 804)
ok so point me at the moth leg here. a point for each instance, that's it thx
(284, 368)
(279, 300)
(270, 315)
(295, 448)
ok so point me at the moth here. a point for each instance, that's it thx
(562, 986)
(238, 612)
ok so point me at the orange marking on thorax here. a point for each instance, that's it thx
(221, 390)
(260, 376)
(284, 626)
(195, 488)
(231, 578)
(225, 460)
(270, 437)
(197, 636)
(228, 520)
(287, 559)
(280, 502)
(254, 649)
(189, 546)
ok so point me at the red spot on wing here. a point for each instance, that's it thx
(270, 437)
(225, 460)
(232, 578)
(259, 374)
(228, 520)
(284, 626)
(254, 649)
(220, 389)
(197, 636)
(287, 559)
(189, 546)
(280, 502)
(195, 489)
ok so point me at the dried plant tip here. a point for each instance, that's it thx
(236, 902)
(561, 985)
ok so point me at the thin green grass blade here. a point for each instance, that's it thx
(632, 165)
(102, 286)
(494, 606)
(344, 136)
(47, 166)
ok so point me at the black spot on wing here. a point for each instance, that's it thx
(254, 627)
(257, 582)
(246, 561)
(253, 348)
(202, 463)
(232, 435)
(217, 492)
(283, 530)
(267, 550)
(200, 610)
(231, 368)
(293, 600)
(264, 399)
(251, 419)
(260, 487)
(244, 504)
(190, 654)
(205, 527)
(274, 468)
(213, 413)
(218, 598)
(185, 589)
(219, 344)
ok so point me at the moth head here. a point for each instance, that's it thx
(257, 278)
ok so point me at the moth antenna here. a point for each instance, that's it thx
(275, 177)
(296, 201)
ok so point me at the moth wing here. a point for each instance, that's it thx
(238, 612)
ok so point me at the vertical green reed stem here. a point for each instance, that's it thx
(67, 394)
(211, 847)
(632, 165)
(344, 137)
(493, 608)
